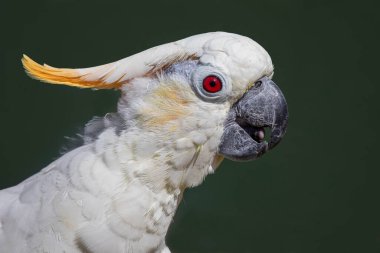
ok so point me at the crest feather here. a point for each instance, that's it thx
(95, 77)
(217, 49)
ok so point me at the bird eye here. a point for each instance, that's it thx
(212, 84)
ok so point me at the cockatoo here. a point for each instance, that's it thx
(184, 106)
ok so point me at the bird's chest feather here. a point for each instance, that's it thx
(133, 212)
(136, 220)
(118, 194)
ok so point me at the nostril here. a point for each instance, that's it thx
(258, 84)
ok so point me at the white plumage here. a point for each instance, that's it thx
(119, 191)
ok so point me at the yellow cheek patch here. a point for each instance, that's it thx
(65, 76)
(156, 120)
(171, 94)
(166, 105)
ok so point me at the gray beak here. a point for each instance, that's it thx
(263, 106)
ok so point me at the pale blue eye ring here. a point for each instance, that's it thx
(198, 77)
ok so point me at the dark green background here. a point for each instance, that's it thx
(317, 192)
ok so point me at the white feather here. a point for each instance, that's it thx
(119, 192)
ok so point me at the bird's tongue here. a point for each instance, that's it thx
(256, 133)
(259, 134)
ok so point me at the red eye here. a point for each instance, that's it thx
(212, 84)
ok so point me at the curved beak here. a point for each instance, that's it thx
(262, 107)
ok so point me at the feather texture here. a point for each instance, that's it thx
(119, 191)
(77, 78)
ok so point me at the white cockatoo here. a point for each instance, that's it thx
(184, 106)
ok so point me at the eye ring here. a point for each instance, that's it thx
(212, 84)
(202, 85)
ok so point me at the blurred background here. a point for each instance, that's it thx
(318, 191)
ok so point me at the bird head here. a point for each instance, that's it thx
(193, 101)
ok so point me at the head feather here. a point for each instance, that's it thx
(72, 77)
(239, 57)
